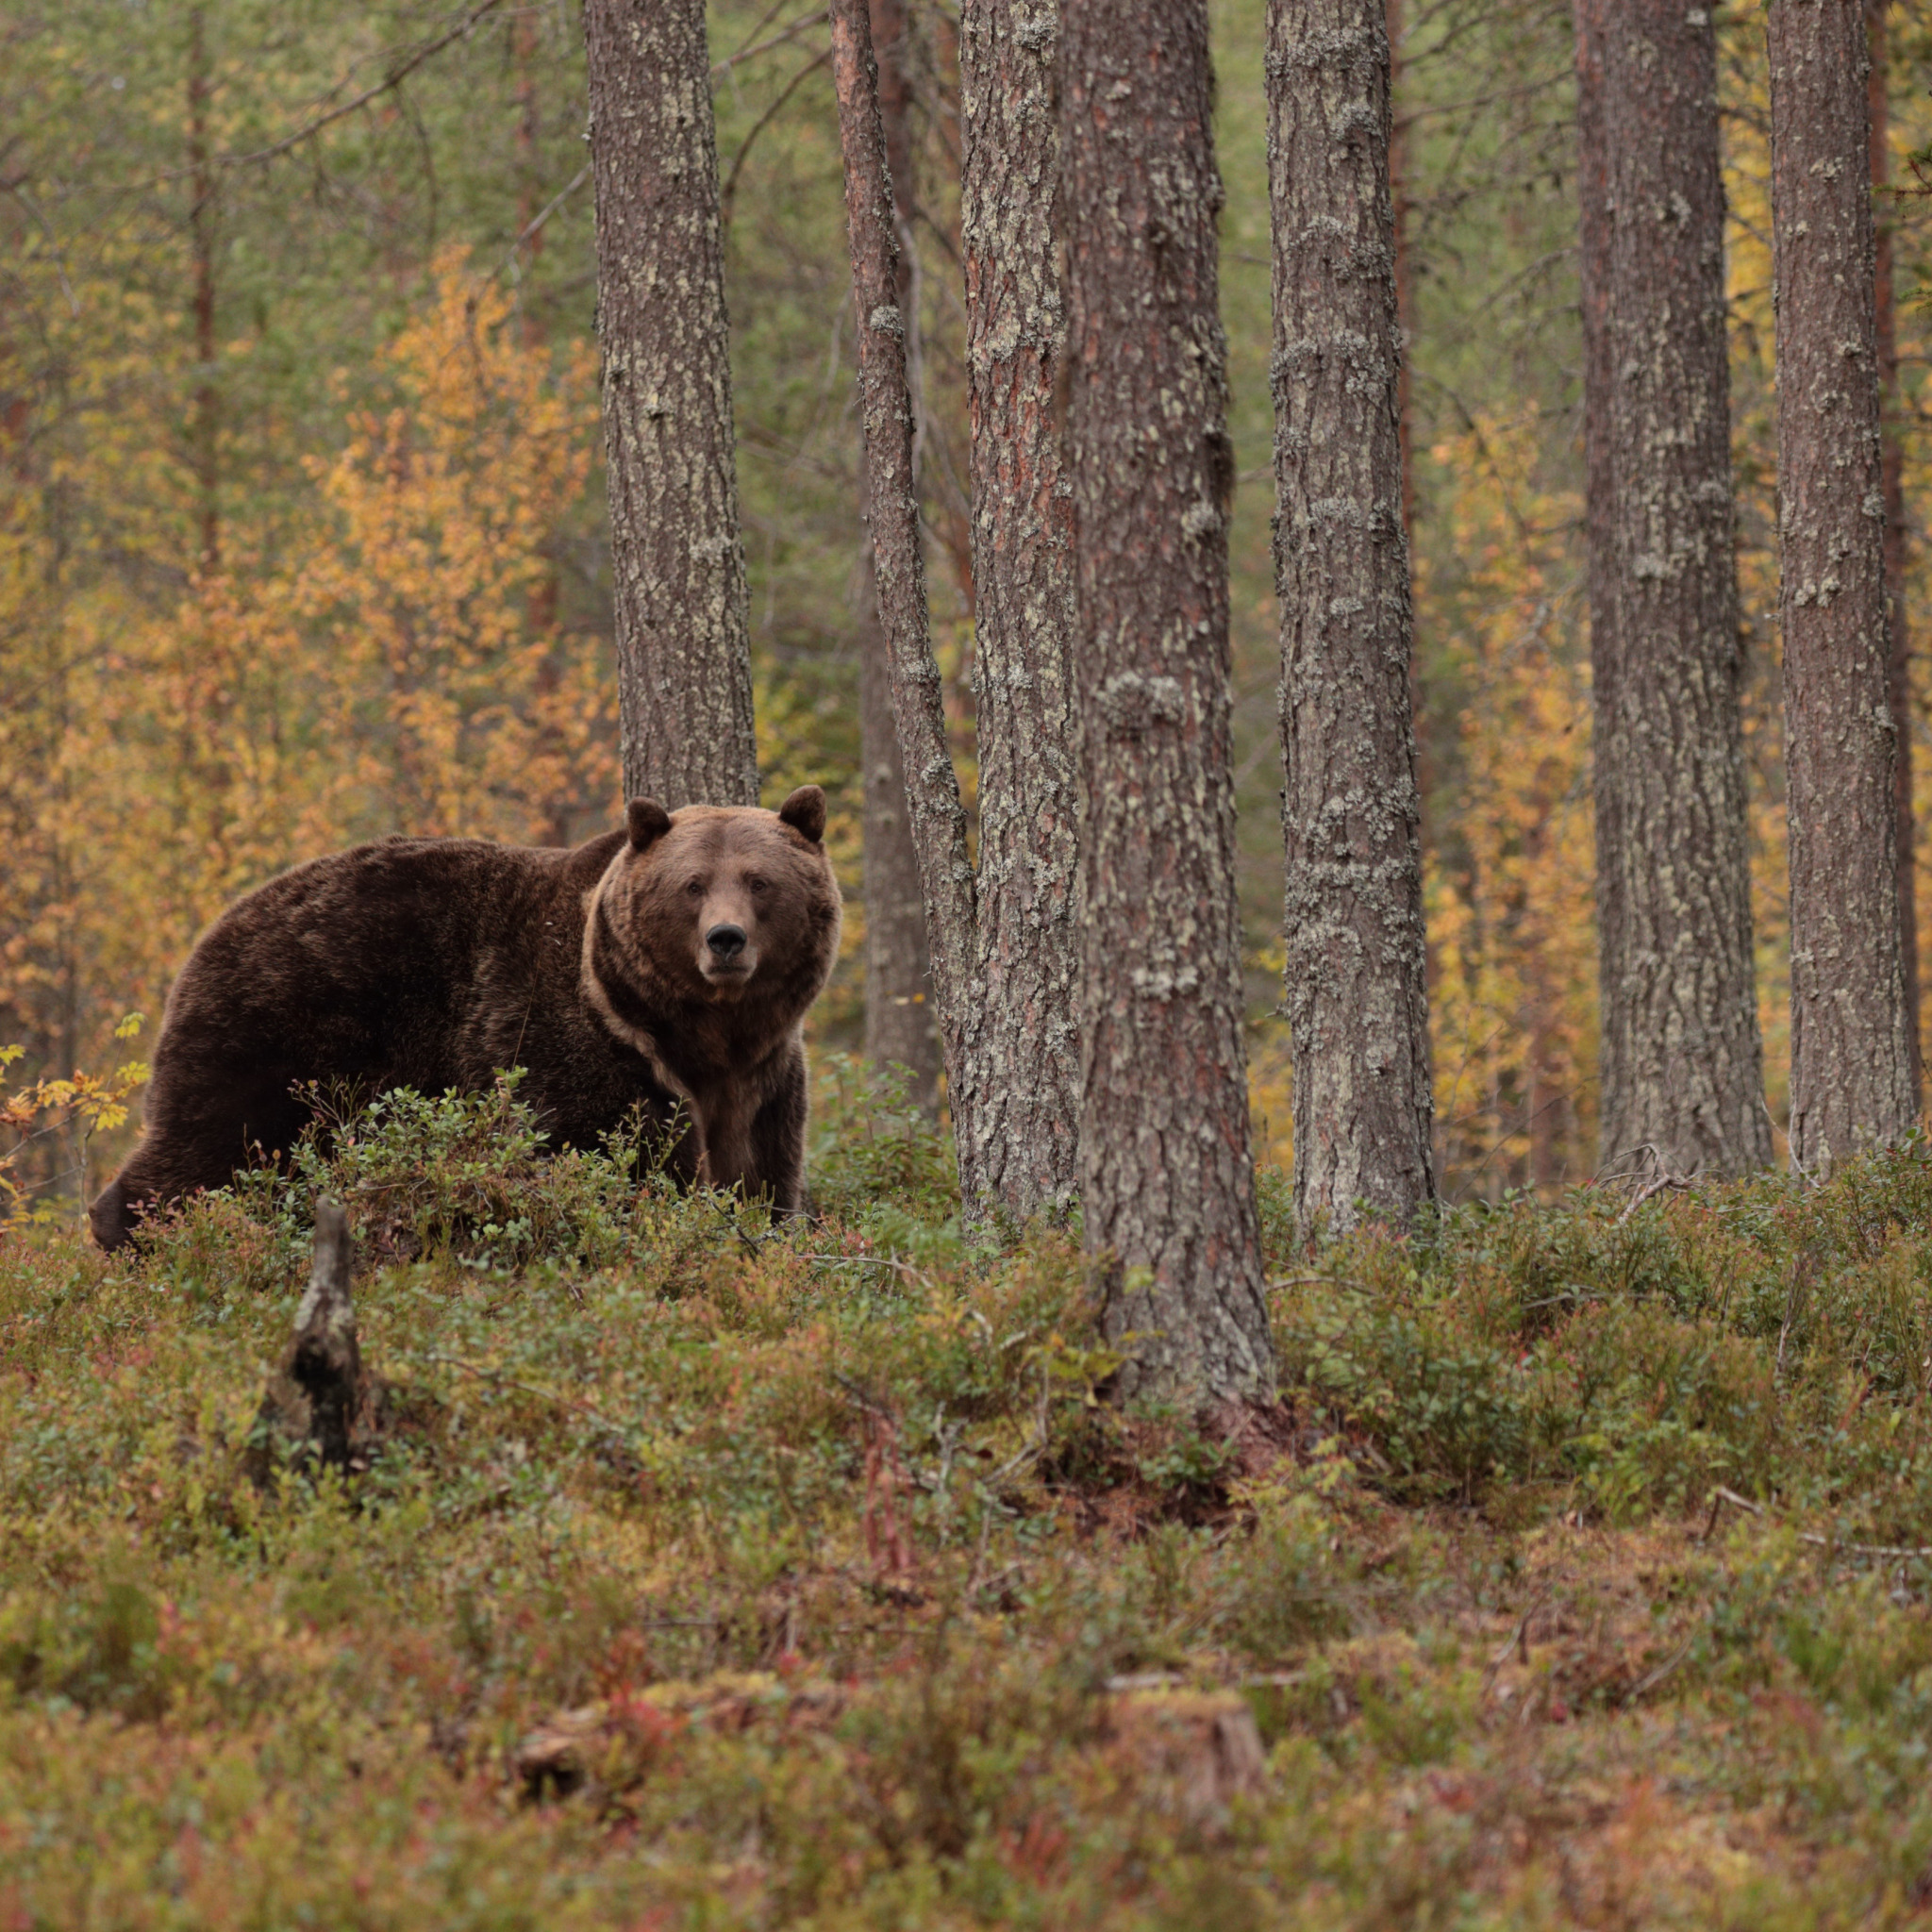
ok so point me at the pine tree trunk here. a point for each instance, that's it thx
(901, 1014)
(1356, 993)
(1899, 635)
(1023, 1054)
(1600, 525)
(900, 1021)
(1682, 1064)
(1405, 282)
(677, 566)
(934, 812)
(1167, 1179)
(1851, 1060)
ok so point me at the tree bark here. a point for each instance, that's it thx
(678, 565)
(1023, 1060)
(1405, 283)
(1167, 1179)
(323, 1406)
(1899, 635)
(1356, 992)
(1600, 524)
(900, 1021)
(1851, 1059)
(934, 813)
(1682, 1062)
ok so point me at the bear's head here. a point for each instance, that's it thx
(719, 905)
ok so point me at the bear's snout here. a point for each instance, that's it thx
(727, 942)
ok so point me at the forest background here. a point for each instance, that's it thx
(302, 526)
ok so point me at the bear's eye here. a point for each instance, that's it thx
(756, 884)
(695, 889)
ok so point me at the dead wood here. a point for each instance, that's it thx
(321, 1406)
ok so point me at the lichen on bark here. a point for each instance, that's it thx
(1167, 1177)
(901, 1014)
(934, 811)
(1850, 1052)
(1682, 1064)
(677, 563)
(1356, 980)
(1020, 1127)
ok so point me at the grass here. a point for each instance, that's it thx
(720, 1576)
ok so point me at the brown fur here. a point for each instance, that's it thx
(433, 963)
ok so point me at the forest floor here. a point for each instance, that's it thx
(714, 1577)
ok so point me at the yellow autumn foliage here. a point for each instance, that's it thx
(394, 661)
(1508, 882)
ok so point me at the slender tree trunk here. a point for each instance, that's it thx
(1167, 1179)
(1399, 202)
(1600, 524)
(937, 821)
(1403, 275)
(1683, 1070)
(1357, 988)
(900, 1021)
(1899, 635)
(1023, 1060)
(553, 827)
(683, 639)
(1851, 1059)
(201, 232)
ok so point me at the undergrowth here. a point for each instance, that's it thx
(731, 1574)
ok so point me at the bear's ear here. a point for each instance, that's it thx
(647, 822)
(805, 811)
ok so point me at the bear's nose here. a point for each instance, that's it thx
(727, 942)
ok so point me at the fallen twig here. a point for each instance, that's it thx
(1656, 1186)
(1517, 1640)
(1324, 1281)
(1646, 1684)
(1897, 1551)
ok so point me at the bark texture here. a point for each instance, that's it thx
(1167, 1180)
(678, 564)
(321, 1405)
(1851, 1059)
(1357, 979)
(1023, 1056)
(1682, 1062)
(1899, 634)
(1599, 517)
(901, 1015)
(900, 1022)
(936, 819)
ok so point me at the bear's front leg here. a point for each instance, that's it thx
(776, 1165)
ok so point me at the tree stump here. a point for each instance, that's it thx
(322, 1408)
(1197, 1751)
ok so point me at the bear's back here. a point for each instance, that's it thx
(391, 961)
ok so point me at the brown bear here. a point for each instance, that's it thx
(669, 965)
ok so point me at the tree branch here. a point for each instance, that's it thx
(397, 74)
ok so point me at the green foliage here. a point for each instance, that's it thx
(867, 1606)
